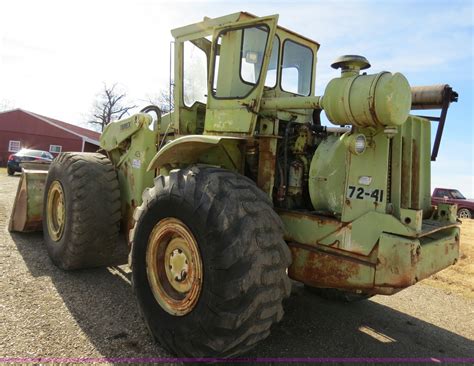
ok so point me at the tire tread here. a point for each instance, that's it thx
(247, 297)
(91, 239)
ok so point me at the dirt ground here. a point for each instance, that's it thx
(49, 313)
(460, 277)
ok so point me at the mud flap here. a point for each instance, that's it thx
(27, 213)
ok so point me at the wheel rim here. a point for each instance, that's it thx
(464, 214)
(56, 213)
(174, 266)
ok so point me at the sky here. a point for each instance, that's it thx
(55, 56)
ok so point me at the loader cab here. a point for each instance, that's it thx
(223, 67)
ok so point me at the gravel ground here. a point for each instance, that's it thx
(46, 312)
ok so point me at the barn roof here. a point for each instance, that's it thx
(86, 134)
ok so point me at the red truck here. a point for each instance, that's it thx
(448, 195)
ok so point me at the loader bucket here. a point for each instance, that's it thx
(35, 165)
(27, 211)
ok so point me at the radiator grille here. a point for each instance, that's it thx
(410, 171)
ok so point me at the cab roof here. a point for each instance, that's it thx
(206, 26)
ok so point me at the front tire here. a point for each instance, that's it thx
(81, 216)
(10, 171)
(225, 236)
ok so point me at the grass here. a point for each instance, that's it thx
(460, 277)
(3, 170)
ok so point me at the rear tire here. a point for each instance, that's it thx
(337, 295)
(243, 255)
(10, 171)
(81, 215)
(464, 213)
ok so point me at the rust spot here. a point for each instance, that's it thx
(399, 276)
(413, 257)
(401, 281)
(128, 221)
(372, 111)
(321, 269)
(320, 220)
(266, 169)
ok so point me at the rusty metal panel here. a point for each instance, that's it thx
(309, 229)
(328, 253)
(412, 218)
(403, 261)
(438, 251)
(267, 148)
(322, 269)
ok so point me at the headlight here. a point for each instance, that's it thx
(357, 144)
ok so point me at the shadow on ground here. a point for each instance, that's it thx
(102, 303)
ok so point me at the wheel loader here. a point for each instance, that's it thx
(242, 187)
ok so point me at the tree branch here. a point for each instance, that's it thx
(110, 106)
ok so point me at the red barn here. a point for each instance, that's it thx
(24, 129)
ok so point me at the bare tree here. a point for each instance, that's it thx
(162, 100)
(110, 106)
(6, 105)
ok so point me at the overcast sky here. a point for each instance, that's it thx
(56, 55)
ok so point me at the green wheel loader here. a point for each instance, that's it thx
(241, 188)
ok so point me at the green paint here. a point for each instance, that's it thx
(369, 224)
(381, 99)
(131, 145)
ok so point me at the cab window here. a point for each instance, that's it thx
(194, 74)
(237, 79)
(297, 67)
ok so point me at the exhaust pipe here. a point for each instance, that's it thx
(432, 96)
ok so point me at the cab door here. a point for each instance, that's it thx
(239, 63)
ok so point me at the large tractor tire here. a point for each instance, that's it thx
(337, 295)
(81, 216)
(208, 262)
